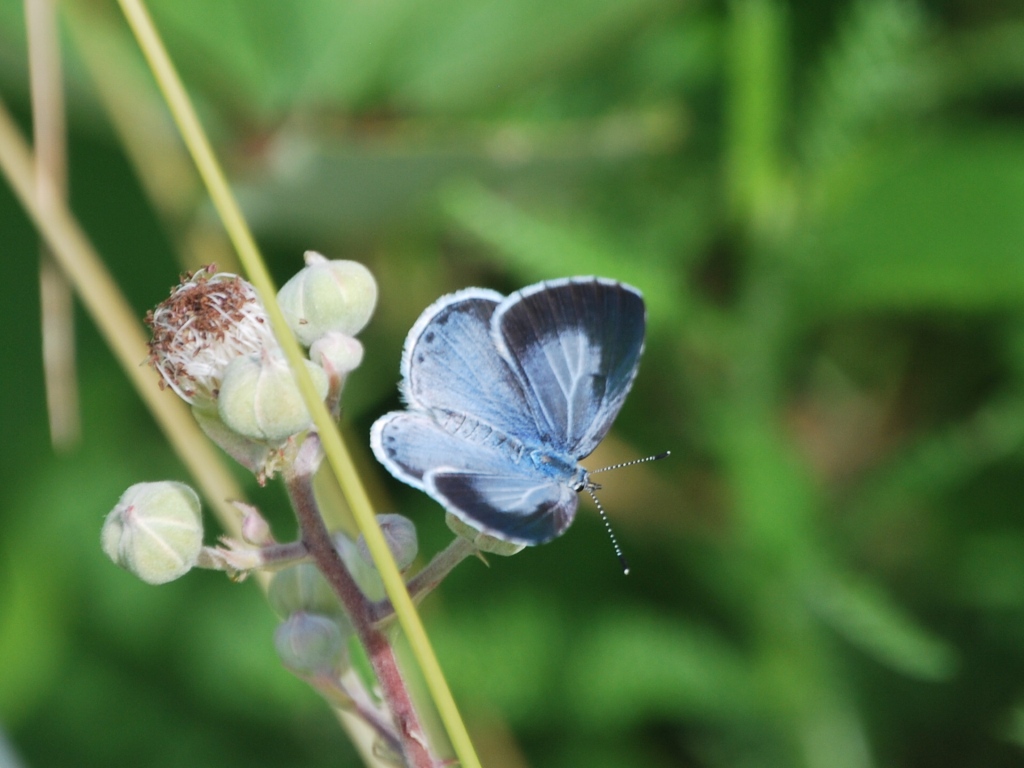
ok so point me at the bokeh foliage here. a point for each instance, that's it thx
(824, 206)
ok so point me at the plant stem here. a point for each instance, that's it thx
(277, 556)
(55, 297)
(337, 454)
(354, 698)
(432, 574)
(117, 322)
(314, 534)
(756, 95)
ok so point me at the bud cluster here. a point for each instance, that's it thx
(313, 637)
(212, 344)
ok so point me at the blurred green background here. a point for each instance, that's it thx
(824, 206)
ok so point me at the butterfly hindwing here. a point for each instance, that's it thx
(521, 508)
(411, 443)
(478, 476)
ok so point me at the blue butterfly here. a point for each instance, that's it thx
(506, 395)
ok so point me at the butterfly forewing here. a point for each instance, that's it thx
(575, 346)
(450, 366)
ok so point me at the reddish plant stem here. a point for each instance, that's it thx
(314, 534)
(281, 555)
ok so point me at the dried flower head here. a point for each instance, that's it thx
(210, 319)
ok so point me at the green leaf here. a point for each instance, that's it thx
(472, 51)
(33, 628)
(446, 54)
(633, 665)
(923, 223)
(873, 71)
(991, 572)
(506, 651)
(868, 617)
(539, 248)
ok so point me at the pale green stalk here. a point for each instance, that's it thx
(335, 450)
(754, 165)
(118, 325)
(57, 316)
(127, 339)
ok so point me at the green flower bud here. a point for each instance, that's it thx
(310, 644)
(258, 456)
(337, 353)
(259, 398)
(155, 531)
(251, 454)
(482, 541)
(328, 296)
(302, 588)
(400, 534)
(364, 572)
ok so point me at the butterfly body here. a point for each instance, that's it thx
(506, 395)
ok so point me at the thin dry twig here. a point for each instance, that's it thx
(57, 314)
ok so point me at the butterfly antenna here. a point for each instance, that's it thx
(604, 518)
(631, 463)
(611, 533)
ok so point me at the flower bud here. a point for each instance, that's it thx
(155, 531)
(328, 296)
(337, 353)
(400, 534)
(302, 588)
(254, 526)
(251, 454)
(263, 459)
(364, 572)
(259, 398)
(310, 644)
(482, 541)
